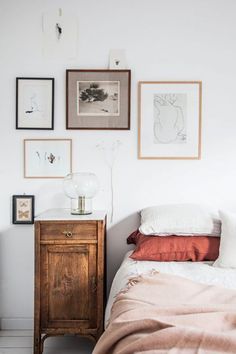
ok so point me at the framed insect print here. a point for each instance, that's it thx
(34, 103)
(23, 209)
(98, 99)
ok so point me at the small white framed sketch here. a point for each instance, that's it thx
(60, 34)
(117, 59)
(47, 158)
(169, 120)
(34, 103)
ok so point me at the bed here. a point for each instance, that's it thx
(141, 323)
(202, 272)
(170, 307)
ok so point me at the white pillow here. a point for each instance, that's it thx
(227, 252)
(178, 219)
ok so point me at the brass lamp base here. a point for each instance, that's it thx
(80, 212)
(80, 208)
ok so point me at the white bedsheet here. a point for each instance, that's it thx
(202, 272)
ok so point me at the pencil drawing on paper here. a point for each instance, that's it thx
(170, 123)
(32, 104)
(34, 101)
(47, 158)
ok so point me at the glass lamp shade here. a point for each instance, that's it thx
(81, 188)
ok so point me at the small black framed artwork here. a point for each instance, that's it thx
(98, 99)
(23, 209)
(35, 103)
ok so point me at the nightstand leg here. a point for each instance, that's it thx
(37, 343)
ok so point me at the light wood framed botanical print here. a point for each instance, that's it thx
(34, 103)
(23, 209)
(169, 124)
(98, 99)
(47, 158)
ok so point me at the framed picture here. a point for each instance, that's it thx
(34, 103)
(98, 99)
(169, 124)
(23, 209)
(47, 158)
(117, 59)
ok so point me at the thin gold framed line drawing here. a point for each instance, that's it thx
(56, 140)
(198, 157)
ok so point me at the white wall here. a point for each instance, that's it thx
(164, 40)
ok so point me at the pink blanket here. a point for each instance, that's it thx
(162, 313)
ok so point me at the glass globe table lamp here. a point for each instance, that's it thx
(81, 188)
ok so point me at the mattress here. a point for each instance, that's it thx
(202, 272)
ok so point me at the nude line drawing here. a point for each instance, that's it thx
(34, 107)
(169, 112)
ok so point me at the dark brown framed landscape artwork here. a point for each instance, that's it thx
(98, 99)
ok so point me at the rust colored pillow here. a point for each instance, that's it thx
(174, 248)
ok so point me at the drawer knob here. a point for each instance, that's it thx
(68, 234)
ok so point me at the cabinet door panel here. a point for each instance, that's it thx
(69, 279)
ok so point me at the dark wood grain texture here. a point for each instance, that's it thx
(69, 279)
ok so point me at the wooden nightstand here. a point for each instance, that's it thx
(69, 275)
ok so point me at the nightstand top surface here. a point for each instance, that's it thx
(64, 214)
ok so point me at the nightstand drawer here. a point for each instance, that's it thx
(68, 231)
